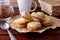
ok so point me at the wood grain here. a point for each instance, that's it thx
(28, 37)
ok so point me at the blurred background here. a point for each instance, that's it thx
(14, 3)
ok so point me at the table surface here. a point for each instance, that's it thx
(47, 35)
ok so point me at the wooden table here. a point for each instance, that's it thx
(47, 35)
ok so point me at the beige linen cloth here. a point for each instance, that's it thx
(56, 24)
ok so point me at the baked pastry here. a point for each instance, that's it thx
(41, 14)
(47, 21)
(21, 21)
(35, 16)
(26, 15)
(19, 25)
(33, 26)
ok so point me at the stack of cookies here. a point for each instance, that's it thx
(33, 21)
